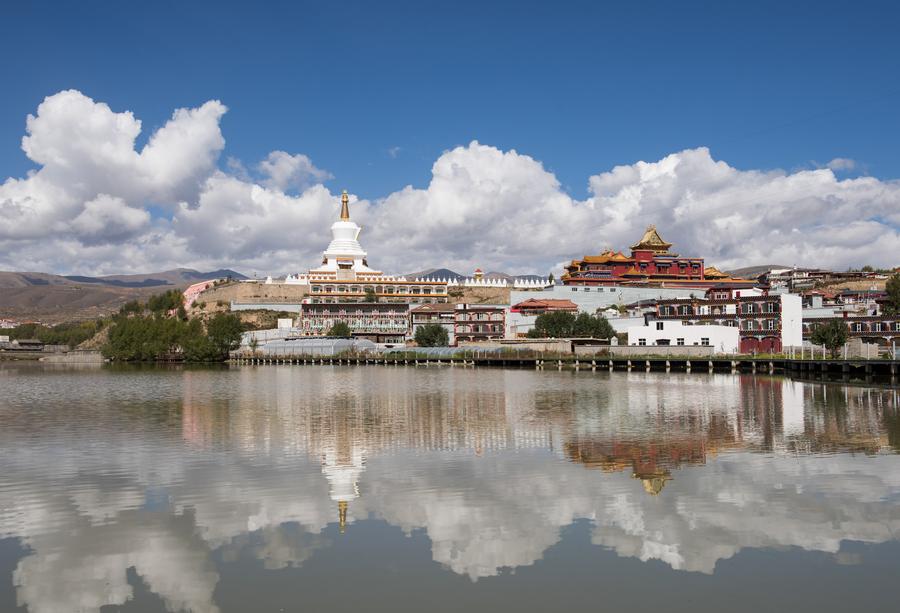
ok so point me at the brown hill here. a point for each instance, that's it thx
(30, 296)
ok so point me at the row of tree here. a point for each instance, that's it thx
(71, 334)
(562, 324)
(156, 336)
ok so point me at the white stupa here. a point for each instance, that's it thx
(343, 468)
(344, 258)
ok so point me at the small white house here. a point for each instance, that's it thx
(725, 339)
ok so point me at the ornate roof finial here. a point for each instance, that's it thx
(345, 206)
(342, 511)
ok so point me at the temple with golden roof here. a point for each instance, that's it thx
(651, 263)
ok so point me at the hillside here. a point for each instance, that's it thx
(53, 299)
(751, 272)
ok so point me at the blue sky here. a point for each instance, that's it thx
(750, 134)
(581, 86)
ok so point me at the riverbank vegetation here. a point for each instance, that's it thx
(158, 337)
(561, 324)
(71, 334)
(432, 335)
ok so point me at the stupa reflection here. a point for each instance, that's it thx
(490, 465)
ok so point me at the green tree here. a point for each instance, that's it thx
(592, 326)
(555, 324)
(432, 335)
(562, 324)
(551, 279)
(892, 302)
(224, 333)
(867, 268)
(832, 335)
(132, 306)
(167, 301)
(341, 329)
(371, 296)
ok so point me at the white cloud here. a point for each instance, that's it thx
(841, 164)
(87, 207)
(284, 171)
(109, 219)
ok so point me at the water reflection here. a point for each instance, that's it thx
(174, 473)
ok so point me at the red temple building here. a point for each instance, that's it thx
(650, 263)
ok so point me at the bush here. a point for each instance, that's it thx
(562, 324)
(831, 335)
(165, 302)
(432, 335)
(892, 303)
(70, 333)
(340, 329)
(152, 337)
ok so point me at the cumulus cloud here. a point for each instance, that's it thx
(87, 207)
(284, 171)
(841, 164)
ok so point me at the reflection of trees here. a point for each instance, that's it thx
(260, 465)
(846, 419)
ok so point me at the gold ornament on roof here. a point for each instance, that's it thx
(345, 206)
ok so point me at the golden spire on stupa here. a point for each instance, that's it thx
(345, 206)
(342, 516)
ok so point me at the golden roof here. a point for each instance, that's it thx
(652, 241)
(345, 206)
(715, 273)
(654, 485)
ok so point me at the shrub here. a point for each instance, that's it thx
(340, 329)
(432, 335)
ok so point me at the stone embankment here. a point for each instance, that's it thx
(869, 371)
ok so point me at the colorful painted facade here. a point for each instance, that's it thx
(650, 263)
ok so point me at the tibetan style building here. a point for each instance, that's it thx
(651, 263)
(345, 274)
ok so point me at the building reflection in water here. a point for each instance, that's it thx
(492, 465)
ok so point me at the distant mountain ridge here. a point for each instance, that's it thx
(751, 272)
(446, 273)
(175, 277)
(55, 298)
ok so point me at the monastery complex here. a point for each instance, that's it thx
(652, 297)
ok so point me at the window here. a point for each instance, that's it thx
(642, 341)
(679, 342)
(897, 326)
(771, 324)
(878, 326)
(770, 307)
(704, 341)
(659, 325)
(858, 327)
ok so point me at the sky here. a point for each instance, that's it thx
(506, 136)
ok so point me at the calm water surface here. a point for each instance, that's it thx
(401, 489)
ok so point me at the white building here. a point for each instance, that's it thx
(725, 339)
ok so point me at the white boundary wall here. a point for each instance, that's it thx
(723, 339)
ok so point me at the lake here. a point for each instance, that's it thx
(391, 488)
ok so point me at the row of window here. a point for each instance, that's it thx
(479, 317)
(479, 329)
(877, 326)
(378, 289)
(704, 341)
(747, 308)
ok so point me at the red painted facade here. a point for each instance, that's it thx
(650, 262)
